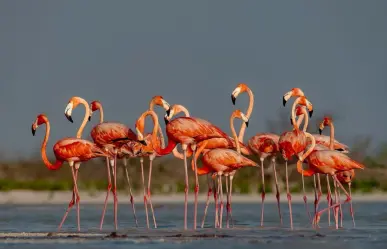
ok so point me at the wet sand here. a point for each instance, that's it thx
(61, 197)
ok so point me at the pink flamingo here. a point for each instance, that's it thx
(292, 143)
(71, 150)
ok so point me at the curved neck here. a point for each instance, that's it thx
(85, 119)
(160, 151)
(235, 136)
(299, 120)
(151, 108)
(100, 114)
(203, 170)
(305, 115)
(248, 114)
(43, 151)
(181, 108)
(332, 136)
(180, 155)
(294, 115)
(311, 148)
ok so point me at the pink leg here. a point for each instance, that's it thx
(289, 196)
(351, 208)
(196, 187)
(305, 198)
(340, 210)
(221, 201)
(336, 209)
(277, 191)
(207, 201)
(337, 204)
(216, 194)
(71, 204)
(329, 199)
(143, 185)
(109, 187)
(230, 193)
(186, 186)
(115, 192)
(263, 194)
(228, 204)
(151, 158)
(78, 199)
(130, 192)
(319, 189)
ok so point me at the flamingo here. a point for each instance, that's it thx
(327, 121)
(102, 135)
(71, 150)
(328, 162)
(224, 161)
(187, 131)
(125, 151)
(209, 144)
(292, 143)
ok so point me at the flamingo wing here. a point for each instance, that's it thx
(106, 132)
(227, 157)
(326, 160)
(77, 149)
(325, 140)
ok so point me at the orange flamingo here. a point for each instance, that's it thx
(328, 162)
(126, 150)
(327, 121)
(224, 161)
(209, 144)
(102, 135)
(71, 150)
(292, 143)
(187, 131)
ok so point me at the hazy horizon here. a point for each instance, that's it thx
(192, 53)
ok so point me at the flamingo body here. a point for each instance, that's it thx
(76, 150)
(264, 144)
(292, 143)
(104, 133)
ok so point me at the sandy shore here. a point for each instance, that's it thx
(61, 197)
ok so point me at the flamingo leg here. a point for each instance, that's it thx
(277, 190)
(319, 194)
(340, 210)
(289, 195)
(305, 198)
(207, 201)
(144, 190)
(228, 204)
(315, 199)
(216, 196)
(115, 191)
(221, 201)
(336, 213)
(263, 193)
(196, 190)
(151, 158)
(71, 204)
(130, 192)
(337, 204)
(351, 207)
(329, 199)
(184, 147)
(231, 178)
(78, 199)
(109, 188)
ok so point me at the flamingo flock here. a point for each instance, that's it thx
(221, 155)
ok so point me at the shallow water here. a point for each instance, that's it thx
(38, 220)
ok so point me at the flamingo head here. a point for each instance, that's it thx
(346, 176)
(40, 119)
(72, 104)
(305, 102)
(241, 115)
(159, 100)
(295, 92)
(241, 87)
(94, 106)
(174, 110)
(325, 122)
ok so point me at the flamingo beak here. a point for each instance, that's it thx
(89, 118)
(319, 131)
(233, 99)
(33, 130)
(168, 111)
(284, 101)
(166, 120)
(69, 118)
(310, 113)
(247, 123)
(291, 121)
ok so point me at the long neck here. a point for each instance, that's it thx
(171, 144)
(306, 119)
(203, 170)
(100, 114)
(299, 120)
(43, 151)
(182, 109)
(248, 114)
(332, 136)
(85, 119)
(160, 131)
(235, 136)
(300, 170)
(294, 115)
(175, 152)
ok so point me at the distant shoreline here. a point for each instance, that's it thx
(63, 197)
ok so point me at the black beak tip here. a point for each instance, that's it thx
(143, 142)
(166, 120)
(284, 101)
(247, 124)
(168, 111)
(319, 131)
(311, 113)
(233, 99)
(291, 121)
(33, 131)
(69, 118)
(89, 118)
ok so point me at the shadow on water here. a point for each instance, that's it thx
(35, 225)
